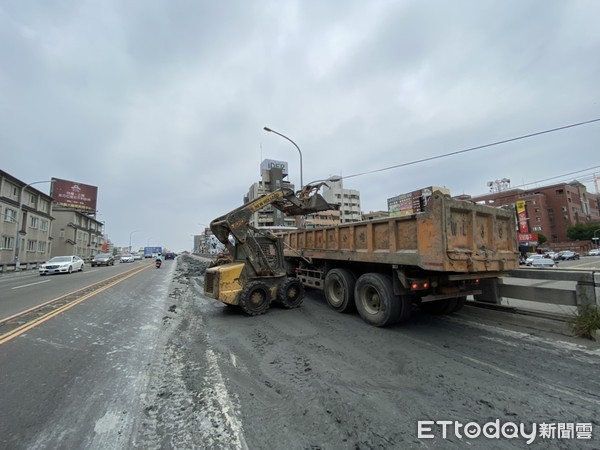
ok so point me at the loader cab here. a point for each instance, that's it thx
(266, 255)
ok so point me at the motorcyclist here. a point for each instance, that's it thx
(158, 260)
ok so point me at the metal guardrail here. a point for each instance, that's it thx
(24, 266)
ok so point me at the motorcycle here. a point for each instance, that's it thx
(158, 263)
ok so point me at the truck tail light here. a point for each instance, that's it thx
(419, 285)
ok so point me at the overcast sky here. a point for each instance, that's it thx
(162, 103)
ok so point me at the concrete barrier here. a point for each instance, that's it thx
(586, 292)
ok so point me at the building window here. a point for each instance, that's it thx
(44, 206)
(7, 243)
(44, 225)
(538, 219)
(61, 233)
(10, 190)
(10, 215)
(41, 246)
(34, 222)
(31, 245)
(559, 192)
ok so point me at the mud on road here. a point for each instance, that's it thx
(311, 378)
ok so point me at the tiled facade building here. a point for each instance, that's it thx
(550, 210)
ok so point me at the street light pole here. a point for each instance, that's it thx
(295, 145)
(130, 234)
(596, 239)
(19, 224)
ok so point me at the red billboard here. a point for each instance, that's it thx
(527, 238)
(71, 194)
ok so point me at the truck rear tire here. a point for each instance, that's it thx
(255, 298)
(443, 307)
(460, 302)
(405, 309)
(290, 293)
(375, 299)
(339, 290)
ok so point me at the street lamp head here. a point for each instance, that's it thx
(295, 145)
(334, 178)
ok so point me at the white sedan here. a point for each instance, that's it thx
(62, 264)
(127, 258)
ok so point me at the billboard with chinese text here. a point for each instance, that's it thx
(522, 217)
(71, 194)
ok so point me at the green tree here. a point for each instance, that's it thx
(542, 239)
(583, 231)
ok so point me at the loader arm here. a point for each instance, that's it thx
(237, 221)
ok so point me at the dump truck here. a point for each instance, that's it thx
(383, 268)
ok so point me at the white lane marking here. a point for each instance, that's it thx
(223, 399)
(31, 284)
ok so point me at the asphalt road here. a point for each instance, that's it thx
(24, 290)
(151, 364)
(79, 380)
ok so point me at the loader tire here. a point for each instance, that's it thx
(255, 298)
(290, 293)
(339, 290)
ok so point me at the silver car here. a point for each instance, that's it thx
(543, 262)
(103, 259)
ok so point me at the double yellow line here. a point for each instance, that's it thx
(41, 319)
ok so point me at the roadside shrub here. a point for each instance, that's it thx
(586, 321)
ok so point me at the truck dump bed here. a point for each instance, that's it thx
(450, 236)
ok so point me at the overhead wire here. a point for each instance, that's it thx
(587, 177)
(479, 147)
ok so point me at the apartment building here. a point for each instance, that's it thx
(76, 233)
(548, 210)
(347, 199)
(272, 177)
(25, 223)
